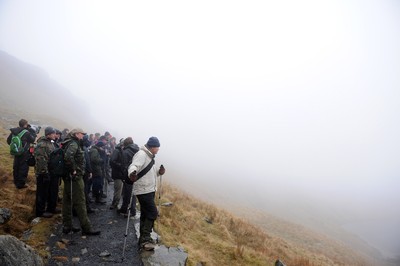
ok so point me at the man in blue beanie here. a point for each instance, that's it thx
(143, 173)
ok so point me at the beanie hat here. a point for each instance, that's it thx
(153, 142)
(49, 130)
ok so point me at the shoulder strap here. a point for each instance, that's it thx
(20, 134)
(145, 170)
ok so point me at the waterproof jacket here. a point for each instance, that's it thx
(26, 139)
(74, 158)
(117, 163)
(96, 161)
(128, 153)
(148, 183)
(42, 152)
(88, 165)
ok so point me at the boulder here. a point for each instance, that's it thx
(16, 252)
(5, 215)
(163, 255)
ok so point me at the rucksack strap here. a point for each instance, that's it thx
(20, 134)
(145, 170)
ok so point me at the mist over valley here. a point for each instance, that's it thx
(288, 114)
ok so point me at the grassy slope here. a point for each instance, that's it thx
(229, 240)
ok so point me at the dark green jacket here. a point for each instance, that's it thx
(96, 161)
(74, 158)
(42, 152)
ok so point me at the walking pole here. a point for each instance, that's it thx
(127, 223)
(159, 207)
(72, 207)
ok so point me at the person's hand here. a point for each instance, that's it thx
(133, 176)
(162, 170)
(90, 176)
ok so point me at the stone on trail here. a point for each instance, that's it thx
(15, 252)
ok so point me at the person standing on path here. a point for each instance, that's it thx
(20, 166)
(45, 181)
(74, 160)
(144, 187)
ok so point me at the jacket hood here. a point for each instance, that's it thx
(17, 130)
(43, 138)
(132, 147)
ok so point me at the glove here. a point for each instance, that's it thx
(162, 170)
(133, 177)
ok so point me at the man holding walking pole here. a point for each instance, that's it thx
(73, 194)
(144, 173)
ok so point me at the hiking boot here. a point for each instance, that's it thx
(148, 246)
(91, 232)
(67, 230)
(99, 200)
(122, 211)
(22, 186)
(56, 211)
(112, 207)
(47, 215)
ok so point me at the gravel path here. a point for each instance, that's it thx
(106, 249)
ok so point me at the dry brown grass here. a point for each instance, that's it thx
(21, 202)
(213, 236)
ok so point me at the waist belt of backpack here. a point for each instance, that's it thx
(145, 170)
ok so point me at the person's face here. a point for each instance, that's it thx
(154, 150)
(52, 136)
(79, 135)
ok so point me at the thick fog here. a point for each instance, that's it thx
(291, 107)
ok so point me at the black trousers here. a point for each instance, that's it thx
(148, 208)
(20, 169)
(126, 198)
(46, 195)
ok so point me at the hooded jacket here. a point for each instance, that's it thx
(43, 149)
(148, 183)
(96, 161)
(74, 157)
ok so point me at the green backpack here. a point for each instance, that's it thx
(16, 147)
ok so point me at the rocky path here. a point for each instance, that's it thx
(105, 249)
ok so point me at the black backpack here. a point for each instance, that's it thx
(56, 162)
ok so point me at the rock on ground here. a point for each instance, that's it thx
(16, 252)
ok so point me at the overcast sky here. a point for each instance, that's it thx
(248, 97)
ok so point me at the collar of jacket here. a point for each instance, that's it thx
(144, 148)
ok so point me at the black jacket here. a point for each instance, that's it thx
(117, 163)
(127, 154)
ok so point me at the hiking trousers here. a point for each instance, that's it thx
(118, 185)
(126, 197)
(148, 214)
(46, 194)
(20, 169)
(78, 203)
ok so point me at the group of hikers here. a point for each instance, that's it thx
(86, 164)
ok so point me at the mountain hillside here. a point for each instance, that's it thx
(28, 88)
